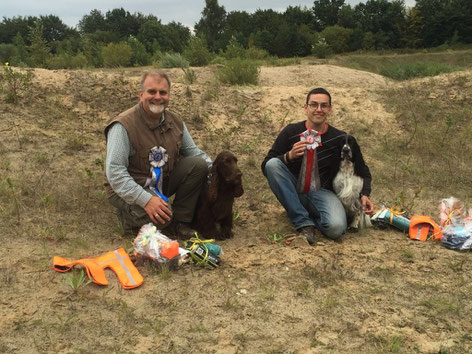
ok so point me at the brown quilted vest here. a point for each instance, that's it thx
(144, 133)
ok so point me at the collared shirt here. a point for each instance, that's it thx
(119, 149)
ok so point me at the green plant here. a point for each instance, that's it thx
(189, 75)
(14, 83)
(116, 55)
(76, 280)
(173, 60)
(197, 52)
(239, 72)
(276, 237)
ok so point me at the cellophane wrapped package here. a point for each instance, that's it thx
(152, 244)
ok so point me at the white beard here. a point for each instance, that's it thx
(156, 108)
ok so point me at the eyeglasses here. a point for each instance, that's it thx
(314, 105)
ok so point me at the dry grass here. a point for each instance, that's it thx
(375, 292)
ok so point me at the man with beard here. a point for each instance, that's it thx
(150, 157)
(300, 168)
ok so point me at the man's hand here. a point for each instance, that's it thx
(298, 149)
(158, 210)
(367, 205)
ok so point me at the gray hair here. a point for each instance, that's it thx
(153, 73)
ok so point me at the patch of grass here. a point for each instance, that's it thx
(443, 306)
(406, 71)
(389, 343)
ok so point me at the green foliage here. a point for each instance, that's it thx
(189, 75)
(173, 60)
(67, 61)
(39, 48)
(234, 50)
(321, 49)
(239, 72)
(337, 38)
(211, 24)
(197, 52)
(116, 55)
(405, 71)
(139, 55)
(77, 280)
(7, 53)
(255, 53)
(13, 83)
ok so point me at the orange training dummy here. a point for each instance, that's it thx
(118, 261)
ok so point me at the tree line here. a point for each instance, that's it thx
(118, 37)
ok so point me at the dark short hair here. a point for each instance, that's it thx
(318, 90)
(153, 73)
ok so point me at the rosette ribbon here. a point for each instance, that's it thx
(309, 178)
(158, 158)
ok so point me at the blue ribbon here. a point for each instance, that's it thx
(155, 188)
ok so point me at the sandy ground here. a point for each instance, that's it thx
(376, 291)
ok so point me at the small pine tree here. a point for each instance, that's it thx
(39, 48)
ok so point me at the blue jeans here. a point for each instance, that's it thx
(321, 209)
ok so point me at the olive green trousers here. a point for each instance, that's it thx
(186, 182)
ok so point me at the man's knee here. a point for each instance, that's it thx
(273, 166)
(335, 229)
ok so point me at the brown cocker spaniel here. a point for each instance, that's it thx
(215, 204)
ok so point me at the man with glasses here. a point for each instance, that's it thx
(151, 156)
(301, 166)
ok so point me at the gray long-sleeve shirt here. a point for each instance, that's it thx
(119, 149)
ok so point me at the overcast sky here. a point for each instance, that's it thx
(187, 12)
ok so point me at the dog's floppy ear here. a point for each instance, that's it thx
(238, 189)
(213, 189)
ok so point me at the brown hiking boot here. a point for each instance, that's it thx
(309, 233)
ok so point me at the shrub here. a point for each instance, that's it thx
(337, 38)
(197, 52)
(234, 50)
(58, 62)
(139, 55)
(7, 52)
(116, 54)
(255, 53)
(173, 60)
(321, 49)
(78, 61)
(66, 61)
(405, 71)
(14, 83)
(239, 72)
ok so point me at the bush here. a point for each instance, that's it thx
(116, 54)
(239, 72)
(405, 71)
(173, 60)
(78, 61)
(14, 83)
(337, 38)
(7, 53)
(234, 50)
(197, 52)
(66, 61)
(255, 53)
(139, 55)
(321, 49)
